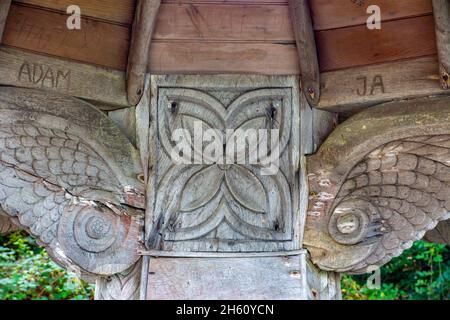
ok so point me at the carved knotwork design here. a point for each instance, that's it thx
(386, 185)
(68, 176)
(218, 202)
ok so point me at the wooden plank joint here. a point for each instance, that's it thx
(307, 50)
(143, 25)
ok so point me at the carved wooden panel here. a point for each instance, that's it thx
(207, 205)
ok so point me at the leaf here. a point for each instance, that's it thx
(201, 188)
(246, 188)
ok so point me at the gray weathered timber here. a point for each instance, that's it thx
(143, 25)
(441, 10)
(125, 119)
(357, 88)
(4, 10)
(378, 183)
(275, 278)
(215, 207)
(22, 69)
(307, 51)
(125, 285)
(68, 176)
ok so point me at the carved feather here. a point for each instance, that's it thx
(69, 176)
(379, 183)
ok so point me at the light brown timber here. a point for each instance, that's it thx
(138, 56)
(107, 44)
(306, 48)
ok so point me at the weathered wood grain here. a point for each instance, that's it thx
(357, 46)
(118, 11)
(4, 10)
(441, 10)
(107, 44)
(332, 14)
(138, 56)
(46, 32)
(23, 69)
(355, 88)
(306, 48)
(288, 277)
(327, 14)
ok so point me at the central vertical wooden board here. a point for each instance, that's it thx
(270, 278)
(209, 206)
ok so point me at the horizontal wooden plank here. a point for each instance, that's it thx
(119, 11)
(365, 86)
(214, 22)
(327, 14)
(107, 45)
(46, 32)
(330, 14)
(219, 57)
(28, 70)
(358, 46)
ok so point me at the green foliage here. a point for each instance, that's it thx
(26, 272)
(420, 273)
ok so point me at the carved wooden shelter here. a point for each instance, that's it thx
(88, 114)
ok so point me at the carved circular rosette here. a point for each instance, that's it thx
(99, 240)
(351, 220)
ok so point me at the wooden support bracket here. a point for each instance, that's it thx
(143, 25)
(306, 47)
(4, 9)
(441, 10)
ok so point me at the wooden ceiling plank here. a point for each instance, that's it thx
(358, 46)
(118, 11)
(107, 45)
(326, 14)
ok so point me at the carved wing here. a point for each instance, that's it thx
(69, 176)
(379, 182)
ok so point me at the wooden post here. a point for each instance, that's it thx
(441, 10)
(143, 25)
(4, 9)
(307, 51)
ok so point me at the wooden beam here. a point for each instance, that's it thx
(144, 23)
(22, 69)
(4, 10)
(441, 10)
(356, 88)
(306, 48)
